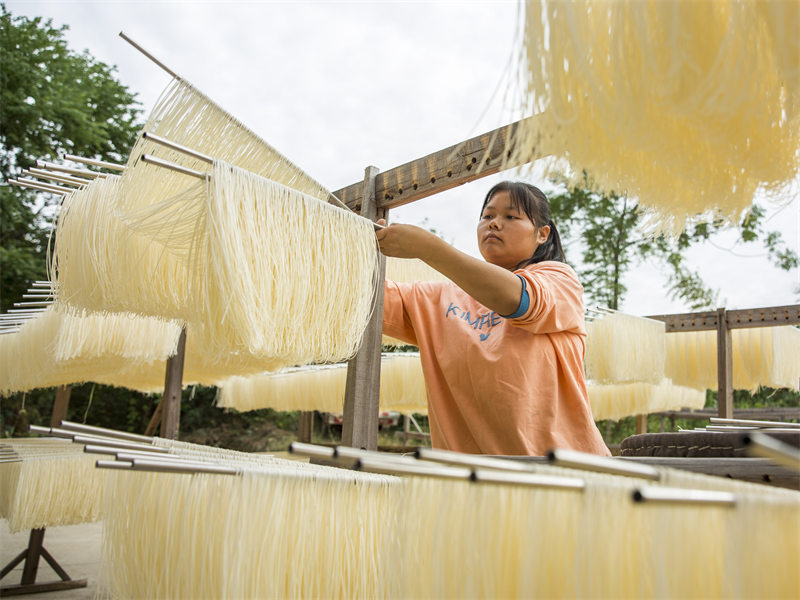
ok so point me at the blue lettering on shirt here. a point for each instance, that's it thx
(486, 320)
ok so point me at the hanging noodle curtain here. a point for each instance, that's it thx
(322, 388)
(762, 356)
(60, 348)
(186, 116)
(689, 106)
(262, 269)
(333, 533)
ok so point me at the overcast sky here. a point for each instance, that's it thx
(338, 86)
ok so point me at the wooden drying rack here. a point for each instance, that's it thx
(467, 161)
(35, 549)
(372, 198)
(723, 321)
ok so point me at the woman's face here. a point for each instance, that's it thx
(506, 236)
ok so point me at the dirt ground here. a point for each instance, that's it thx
(256, 437)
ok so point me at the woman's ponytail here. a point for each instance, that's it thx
(550, 249)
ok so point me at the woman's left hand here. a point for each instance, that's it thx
(405, 241)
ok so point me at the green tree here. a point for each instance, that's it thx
(607, 227)
(52, 100)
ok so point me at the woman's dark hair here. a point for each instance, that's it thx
(532, 201)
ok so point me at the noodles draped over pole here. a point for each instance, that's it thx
(689, 106)
(536, 530)
(322, 387)
(626, 367)
(262, 269)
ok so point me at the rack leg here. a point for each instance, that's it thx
(31, 556)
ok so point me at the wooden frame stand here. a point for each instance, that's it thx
(36, 548)
(31, 556)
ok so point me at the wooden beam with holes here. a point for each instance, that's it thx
(770, 316)
(477, 157)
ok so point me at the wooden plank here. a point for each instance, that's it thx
(32, 556)
(768, 316)
(38, 588)
(155, 420)
(362, 388)
(450, 167)
(697, 321)
(173, 386)
(724, 366)
(764, 317)
(60, 405)
(305, 426)
(754, 470)
(641, 424)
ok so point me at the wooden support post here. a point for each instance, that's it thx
(31, 556)
(60, 405)
(362, 390)
(173, 386)
(724, 366)
(305, 426)
(155, 420)
(34, 551)
(641, 424)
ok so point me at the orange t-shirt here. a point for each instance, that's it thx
(496, 385)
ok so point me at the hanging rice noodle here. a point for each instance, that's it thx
(281, 530)
(688, 106)
(101, 264)
(390, 537)
(763, 356)
(60, 348)
(48, 483)
(279, 273)
(322, 388)
(622, 348)
(183, 114)
(263, 269)
(549, 543)
(618, 400)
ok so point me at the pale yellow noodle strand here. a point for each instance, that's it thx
(623, 348)
(322, 388)
(688, 106)
(764, 356)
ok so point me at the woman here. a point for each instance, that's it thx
(502, 346)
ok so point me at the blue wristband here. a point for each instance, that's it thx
(524, 302)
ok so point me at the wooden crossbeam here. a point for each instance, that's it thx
(477, 157)
(764, 317)
(769, 316)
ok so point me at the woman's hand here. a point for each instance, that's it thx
(405, 241)
(494, 287)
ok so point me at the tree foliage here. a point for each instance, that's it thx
(607, 227)
(52, 100)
